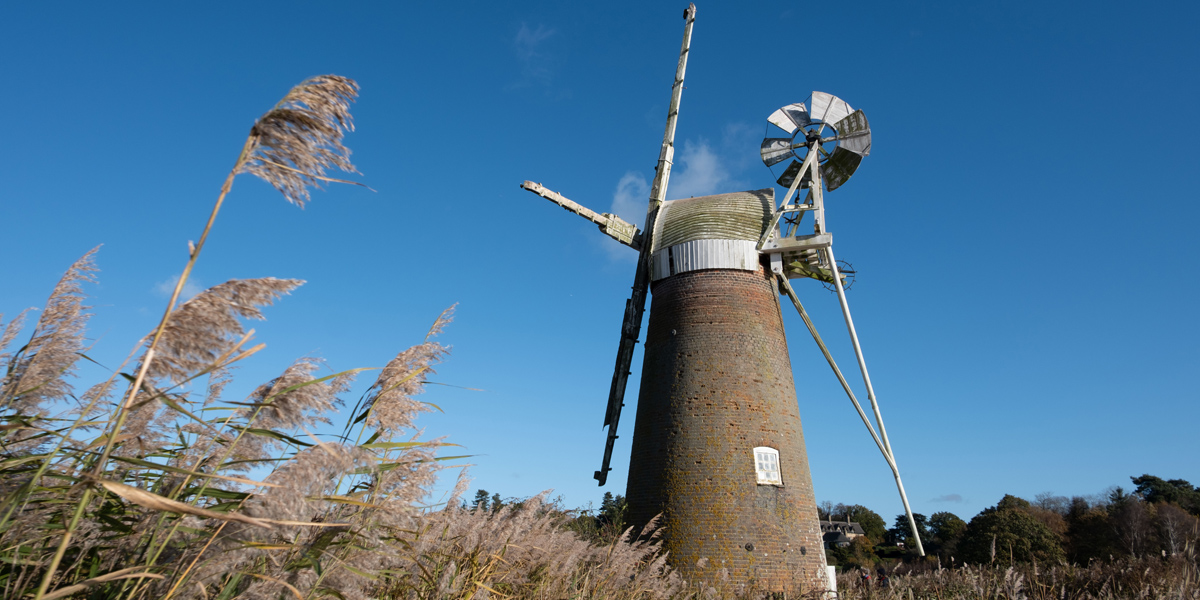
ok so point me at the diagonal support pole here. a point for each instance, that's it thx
(862, 365)
(812, 329)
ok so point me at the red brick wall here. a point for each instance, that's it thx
(716, 382)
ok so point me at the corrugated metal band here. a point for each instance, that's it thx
(704, 254)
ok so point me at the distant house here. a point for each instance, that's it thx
(838, 534)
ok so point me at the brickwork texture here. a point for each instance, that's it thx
(716, 383)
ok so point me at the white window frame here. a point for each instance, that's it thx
(764, 458)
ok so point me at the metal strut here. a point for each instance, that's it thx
(885, 447)
(862, 366)
(631, 325)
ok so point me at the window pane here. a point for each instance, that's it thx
(766, 463)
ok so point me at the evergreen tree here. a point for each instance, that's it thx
(606, 503)
(1177, 491)
(901, 531)
(481, 500)
(613, 510)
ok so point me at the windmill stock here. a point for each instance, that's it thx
(718, 447)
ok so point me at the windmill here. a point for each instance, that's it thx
(718, 447)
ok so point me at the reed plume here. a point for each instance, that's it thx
(8, 334)
(207, 326)
(389, 402)
(37, 374)
(298, 140)
(523, 551)
(304, 479)
(295, 399)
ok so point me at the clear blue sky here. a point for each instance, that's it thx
(1023, 229)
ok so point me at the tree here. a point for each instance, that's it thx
(1176, 528)
(1050, 518)
(1155, 491)
(1133, 521)
(901, 531)
(1048, 501)
(607, 525)
(612, 511)
(1089, 534)
(945, 530)
(873, 525)
(496, 503)
(825, 511)
(1007, 532)
(481, 500)
(606, 503)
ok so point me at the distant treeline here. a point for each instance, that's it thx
(1159, 518)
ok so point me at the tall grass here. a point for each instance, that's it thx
(1151, 578)
(153, 483)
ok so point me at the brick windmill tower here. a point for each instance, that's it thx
(718, 447)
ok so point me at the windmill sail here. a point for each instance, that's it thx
(631, 324)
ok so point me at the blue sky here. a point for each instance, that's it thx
(1023, 229)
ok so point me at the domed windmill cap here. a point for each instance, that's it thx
(710, 232)
(808, 125)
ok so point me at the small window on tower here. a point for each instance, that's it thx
(766, 464)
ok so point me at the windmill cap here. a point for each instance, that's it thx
(710, 232)
(736, 216)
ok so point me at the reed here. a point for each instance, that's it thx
(1151, 578)
(154, 484)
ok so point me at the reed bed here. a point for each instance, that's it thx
(1149, 578)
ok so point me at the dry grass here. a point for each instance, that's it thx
(1175, 578)
(523, 551)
